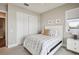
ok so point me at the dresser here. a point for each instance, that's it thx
(73, 45)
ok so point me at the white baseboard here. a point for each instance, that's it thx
(13, 45)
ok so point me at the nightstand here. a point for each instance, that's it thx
(73, 44)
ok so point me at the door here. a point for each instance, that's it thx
(33, 24)
(19, 27)
(25, 24)
(2, 32)
(22, 26)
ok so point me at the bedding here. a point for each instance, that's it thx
(39, 44)
(50, 32)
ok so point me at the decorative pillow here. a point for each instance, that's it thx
(53, 33)
(45, 32)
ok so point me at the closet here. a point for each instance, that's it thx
(26, 25)
(2, 29)
(33, 24)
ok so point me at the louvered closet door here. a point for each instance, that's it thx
(33, 24)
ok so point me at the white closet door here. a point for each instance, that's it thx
(22, 26)
(33, 24)
(19, 27)
(25, 25)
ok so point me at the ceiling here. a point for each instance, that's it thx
(39, 7)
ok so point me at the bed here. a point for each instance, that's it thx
(39, 44)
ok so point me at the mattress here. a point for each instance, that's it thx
(39, 44)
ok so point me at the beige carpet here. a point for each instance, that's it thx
(19, 50)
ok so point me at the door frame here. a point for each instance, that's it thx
(6, 28)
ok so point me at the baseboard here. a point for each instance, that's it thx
(13, 45)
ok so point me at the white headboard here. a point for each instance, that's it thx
(58, 28)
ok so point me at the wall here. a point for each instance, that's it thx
(3, 6)
(12, 9)
(57, 13)
(72, 14)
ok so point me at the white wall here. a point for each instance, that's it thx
(72, 14)
(12, 22)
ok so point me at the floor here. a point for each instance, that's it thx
(64, 51)
(19, 50)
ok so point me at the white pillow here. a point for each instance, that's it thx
(53, 33)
